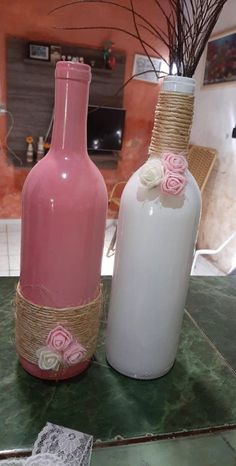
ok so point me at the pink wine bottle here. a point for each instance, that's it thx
(64, 208)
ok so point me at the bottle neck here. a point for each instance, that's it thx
(173, 117)
(70, 118)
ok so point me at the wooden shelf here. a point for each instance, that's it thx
(31, 61)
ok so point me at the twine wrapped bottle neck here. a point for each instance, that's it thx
(172, 123)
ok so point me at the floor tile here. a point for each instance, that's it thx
(207, 450)
(205, 268)
(4, 262)
(14, 262)
(107, 265)
(3, 238)
(198, 392)
(212, 304)
(4, 272)
(3, 249)
(3, 227)
(14, 226)
(14, 238)
(14, 249)
(14, 273)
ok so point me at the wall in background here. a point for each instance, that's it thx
(30, 20)
(30, 87)
(215, 117)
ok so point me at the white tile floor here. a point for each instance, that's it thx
(10, 251)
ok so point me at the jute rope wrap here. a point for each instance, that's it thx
(33, 324)
(172, 123)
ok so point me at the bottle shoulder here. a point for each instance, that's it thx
(137, 194)
(71, 174)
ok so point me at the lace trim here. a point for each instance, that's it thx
(57, 446)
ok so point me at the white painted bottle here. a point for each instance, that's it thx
(155, 245)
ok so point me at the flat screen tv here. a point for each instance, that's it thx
(105, 128)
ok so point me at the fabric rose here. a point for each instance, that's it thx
(74, 353)
(152, 173)
(173, 183)
(48, 359)
(59, 338)
(174, 162)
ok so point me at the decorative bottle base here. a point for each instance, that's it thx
(139, 376)
(67, 373)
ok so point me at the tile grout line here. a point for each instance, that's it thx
(211, 343)
(227, 442)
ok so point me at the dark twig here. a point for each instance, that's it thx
(140, 38)
(161, 74)
(189, 24)
(113, 29)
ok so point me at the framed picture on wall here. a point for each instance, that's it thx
(220, 64)
(143, 68)
(39, 52)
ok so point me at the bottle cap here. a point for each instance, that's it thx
(73, 70)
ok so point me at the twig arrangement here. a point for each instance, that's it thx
(189, 24)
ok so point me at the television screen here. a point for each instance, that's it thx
(105, 128)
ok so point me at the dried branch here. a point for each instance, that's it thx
(165, 42)
(140, 38)
(160, 74)
(83, 28)
(189, 24)
(107, 2)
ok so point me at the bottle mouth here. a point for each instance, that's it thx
(73, 70)
(179, 84)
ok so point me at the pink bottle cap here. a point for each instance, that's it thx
(73, 70)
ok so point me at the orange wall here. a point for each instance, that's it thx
(29, 19)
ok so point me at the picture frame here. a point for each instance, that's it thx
(142, 65)
(220, 64)
(55, 53)
(37, 51)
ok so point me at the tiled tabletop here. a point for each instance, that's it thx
(198, 393)
(207, 450)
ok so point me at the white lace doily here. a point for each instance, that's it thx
(57, 446)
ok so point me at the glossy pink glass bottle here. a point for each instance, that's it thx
(64, 211)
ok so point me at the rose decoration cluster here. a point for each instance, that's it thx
(61, 350)
(168, 171)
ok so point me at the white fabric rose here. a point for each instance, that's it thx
(48, 359)
(152, 173)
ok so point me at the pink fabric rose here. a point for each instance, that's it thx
(59, 338)
(174, 162)
(74, 353)
(173, 183)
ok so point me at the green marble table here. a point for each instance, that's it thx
(198, 393)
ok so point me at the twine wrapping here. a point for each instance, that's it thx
(172, 123)
(33, 324)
